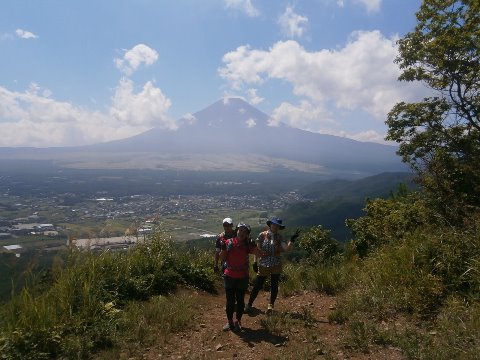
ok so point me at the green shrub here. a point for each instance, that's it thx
(293, 279)
(161, 315)
(415, 278)
(387, 221)
(319, 245)
(392, 282)
(361, 335)
(457, 332)
(79, 313)
(329, 278)
(332, 278)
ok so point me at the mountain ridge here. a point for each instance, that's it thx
(232, 128)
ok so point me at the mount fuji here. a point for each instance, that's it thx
(228, 135)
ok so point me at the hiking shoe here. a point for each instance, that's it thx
(237, 326)
(229, 326)
(248, 309)
(269, 308)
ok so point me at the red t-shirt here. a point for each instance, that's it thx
(237, 257)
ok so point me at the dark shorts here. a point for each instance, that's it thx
(266, 271)
(238, 284)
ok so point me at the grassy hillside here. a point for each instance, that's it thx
(85, 299)
(407, 280)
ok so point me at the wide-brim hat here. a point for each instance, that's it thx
(277, 221)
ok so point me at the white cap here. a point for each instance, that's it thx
(228, 221)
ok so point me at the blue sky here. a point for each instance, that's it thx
(82, 72)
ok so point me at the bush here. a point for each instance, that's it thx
(415, 277)
(457, 334)
(329, 278)
(332, 278)
(79, 313)
(388, 221)
(319, 245)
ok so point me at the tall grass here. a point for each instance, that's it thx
(417, 284)
(329, 278)
(144, 323)
(408, 279)
(81, 311)
(417, 274)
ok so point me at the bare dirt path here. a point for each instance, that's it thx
(298, 329)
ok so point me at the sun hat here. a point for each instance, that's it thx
(246, 226)
(228, 221)
(277, 221)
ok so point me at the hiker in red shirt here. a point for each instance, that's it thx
(235, 253)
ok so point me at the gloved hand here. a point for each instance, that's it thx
(255, 267)
(295, 236)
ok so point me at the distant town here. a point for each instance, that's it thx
(104, 221)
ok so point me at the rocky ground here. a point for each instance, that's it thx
(297, 329)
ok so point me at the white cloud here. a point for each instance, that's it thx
(292, 24)
(146, 108)
(136, 56)
(361, 75)
(243, 5)
(33, 118)
(306, 116)
(371, 5)
(24, 34)
(316, 119)
(253, 98)
(244, 66)
(369, 135)
(365, 136)
(251, 123)
(189, 119)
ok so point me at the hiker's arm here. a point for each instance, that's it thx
(218, 248)
(217, 256)
(223, 254)
(258, 253)
(292, 240)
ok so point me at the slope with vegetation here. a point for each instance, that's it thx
(334, 201)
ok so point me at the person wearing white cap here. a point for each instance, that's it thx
(227, 233)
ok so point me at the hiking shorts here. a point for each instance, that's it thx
(266, 271)
(236, 284)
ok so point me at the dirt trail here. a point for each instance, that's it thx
(302, 331)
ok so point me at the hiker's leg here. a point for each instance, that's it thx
(275, 279)
(257, 285)
(242, 285)
(230, 296)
